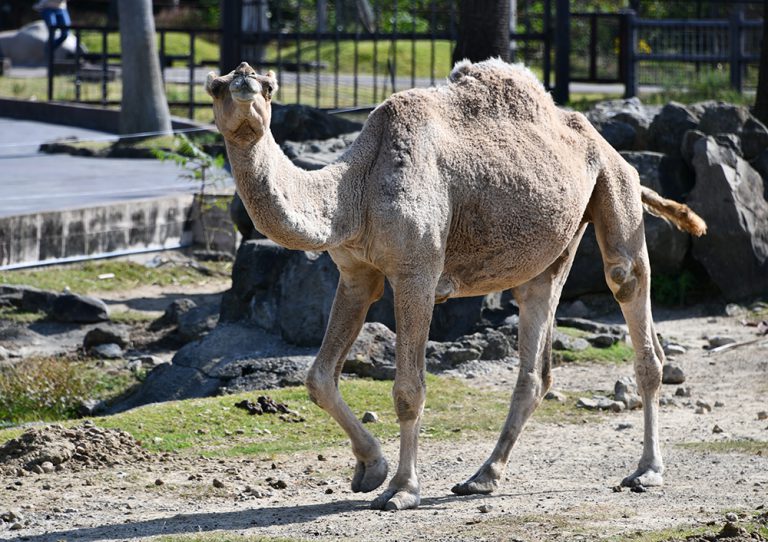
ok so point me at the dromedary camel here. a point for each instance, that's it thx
(470, 188)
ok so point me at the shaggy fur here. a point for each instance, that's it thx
(477, 186)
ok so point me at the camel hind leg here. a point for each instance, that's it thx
(618, 218)
(538, 300)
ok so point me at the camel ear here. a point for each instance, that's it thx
(214, 84)
(269, 83)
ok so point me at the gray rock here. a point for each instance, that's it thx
(263, 373)
(683, 392)
(498, 345)
(456, 355)
(373, 353)
(28, 298)
(720, 340)
(625, 391)
(554, 395)
(623, 123)
(197, 322)
(89, 407)
(573, 309)
(590, 326)
(106, 335)
(665, 134)
(599, 402)
(4, 354)
(370, 417)
(79, 309)
(107, 351)
(723, 118)
(729, 197)
(760, 164)
(672, 349)
(561, 341)
(172, 314)
(603, 340)
(672, 374)
(242, 221)
(301, 122)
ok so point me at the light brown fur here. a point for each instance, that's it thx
(474, 187)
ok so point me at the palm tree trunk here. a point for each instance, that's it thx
(143, 106)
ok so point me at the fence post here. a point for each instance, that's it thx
(735, 38)
(51, 32)
(231, 12)
(628, 45)
(561, 93)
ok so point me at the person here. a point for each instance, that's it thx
(56, 16)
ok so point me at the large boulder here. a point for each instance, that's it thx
(373, 353)
(665, 133)
(301, 122)
(760, 163)
(729, 196)
(623, 123)
(79, 309)
(28, 298)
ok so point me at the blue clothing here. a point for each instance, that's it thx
(57, 18)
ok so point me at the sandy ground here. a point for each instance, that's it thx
(557, 487)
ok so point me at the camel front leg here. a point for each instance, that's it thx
(357, 289)
(414, 301)
(537, 300)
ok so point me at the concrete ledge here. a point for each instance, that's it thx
(132, 226)
(82, 116)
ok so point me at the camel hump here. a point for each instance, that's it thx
(492, 70)
(678, 214)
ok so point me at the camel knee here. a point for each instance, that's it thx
(409, 400)
(321, 387)
(648, 370)
(624, 280)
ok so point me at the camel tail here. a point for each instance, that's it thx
(677, 213)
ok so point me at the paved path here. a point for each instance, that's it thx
(32, 182)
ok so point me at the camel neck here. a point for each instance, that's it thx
(296, 208)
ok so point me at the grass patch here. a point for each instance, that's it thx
(20, 317)
(131, 316)
(84, 277)
(52, 388)
(210, 426)
(738, 446)
(616, 353)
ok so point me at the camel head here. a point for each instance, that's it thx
(242, 103)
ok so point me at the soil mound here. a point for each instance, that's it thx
(55, 448)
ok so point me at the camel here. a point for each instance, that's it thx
(478, 186)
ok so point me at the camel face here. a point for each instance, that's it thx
(242, 103)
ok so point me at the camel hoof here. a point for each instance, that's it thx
(369, 476)
(643, 477)
(394, 499)
(475, 487)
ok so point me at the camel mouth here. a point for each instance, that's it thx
(244, 89)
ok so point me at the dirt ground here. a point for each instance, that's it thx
(558, 484)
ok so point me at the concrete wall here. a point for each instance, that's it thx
(103, 230)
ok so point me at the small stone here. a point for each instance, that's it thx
(625, 391)
(17, 526)
(704, 404)
(639, 488)
(107, 351)
(701, 410)
(719, 404)
(370, 417)
(717, 429)
(672, 349)
(554, 395)
(321, 457)
(762, 415)
(730, 516)
(328, 491)
(485, 508)
(623, 426)
(47, 467)
(218, 483)
(672, 374)
(617, 489)
(279, 484)
(603, 340)
(159, 482)
(718, 340)
(683, 392)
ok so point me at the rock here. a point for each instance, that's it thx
(4, 354)
(159, 482)
(373, 353)
(672, 349)
(553, 395)
(106, 335)
(729, 196)
(704, 404)
(762, 415)
(241, 219)
(28, 298)
(620, 135)
(731, 516)
(498, 345)
(47, 467)
(456, 355)
(665, 133)
(218, 483)
(586, 276)
(623, 426)
(485, 508)
(89, 407)
(625, 391)
(79, 309)
(197, 322)
(107, 351)
(723, 118)
(754, 138)
(603, 340)
(701, 410)
(590, 326)
(172, 314)
(760, 164)
(623, 123)
(561, 341)
(370, 417)
(672, 374)
(718, 340)
(573, 309)
(719, 404)
(717, 429)
(301, 122)
(599, 402)
(683, 392)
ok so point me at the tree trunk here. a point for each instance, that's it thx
(761, 100)
(483, 30)
(143, 107)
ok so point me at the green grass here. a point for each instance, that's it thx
(738, 446)
(617, 353)
(84, 277)
(131, 316)
(201, 426)
(51, 388)
(757, 523)
(20, 317)
(176, 44)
